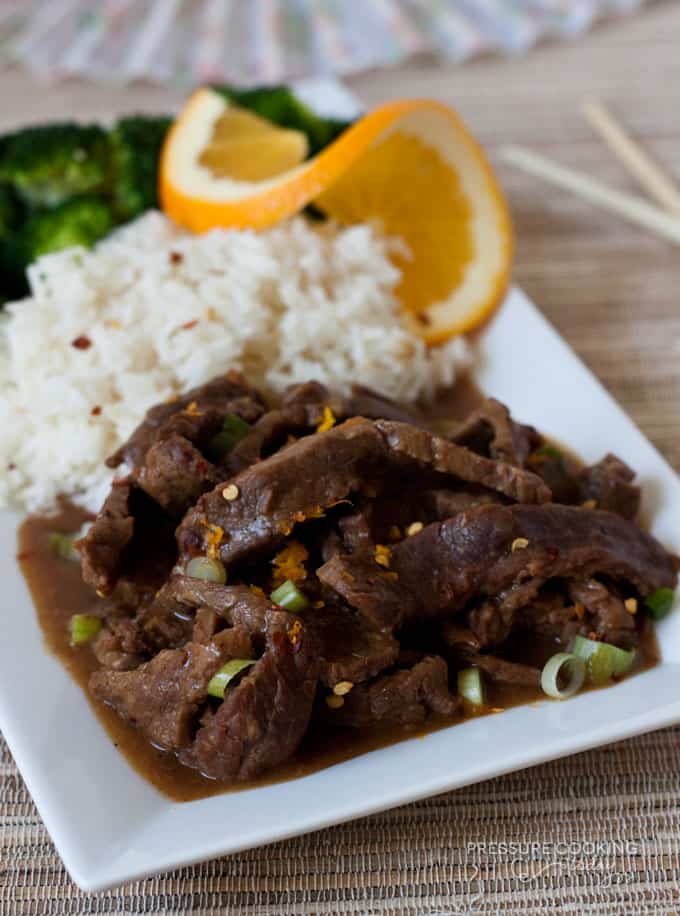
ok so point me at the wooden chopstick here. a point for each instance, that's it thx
(636, 160)
(630, 207)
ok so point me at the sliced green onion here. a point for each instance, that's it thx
(603, 660)
(660, 602)
(84, 628)
(548, 451)
(233, 430)
(219, 681)
(563, 666)
(206, 568)
(471, 686)
(63, 545)
(289, 596)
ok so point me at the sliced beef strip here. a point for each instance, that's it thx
(612, 622)
(549, 615)
(271, 432)
(318, 472)
(401, 698)
(129, 549)
(350, 648)
(493, 619)
(175, 473)
(361, 402)
(388, 517)
(504, 672)
(471, 556)
(410, 445)
(264, 717)
(120, 644)
(609, 483)
(163, 697)
(228, 393)
(236, 604)
(101, 550)
(490, 430)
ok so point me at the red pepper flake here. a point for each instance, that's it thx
(176, 257)
(81, 343)
(96, 411)
(190, 324)
(12, 466)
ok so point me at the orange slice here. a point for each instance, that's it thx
(411, 165)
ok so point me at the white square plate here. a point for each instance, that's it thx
(110, 826)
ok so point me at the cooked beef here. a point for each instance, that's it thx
(101, 550)
(175, 473)
(416, 546)
(549, 615)
(472, 555)
(612, 621)
(129, 549)
(305, 479)
(609, 483)
(364, 402)
(402, 698)
(505, 672)
(299, 482)
(164, 696)
(350, 649)
(389, 516)
(490, 430)
(120, 644)
(263, 719)
(236, 604)
(409, 445)
(228, 393)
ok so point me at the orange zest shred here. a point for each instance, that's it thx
(193, 410)
(327, 420)
(295, 633)
(383, 555)
(214, 536)
(579, 610)
(256, 590)
(289, 563)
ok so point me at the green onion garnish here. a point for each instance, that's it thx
(233, 430)
(471, 686)
(84, 628)
(602, 660)
(219, 681)
(289, 596)
(660, 602)
(548, 451)
(561, 667)
(63, 545)
(206, 568)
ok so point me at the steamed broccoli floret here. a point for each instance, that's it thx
(278, 105)
(136, 146)
(49, 164)
(80, 221)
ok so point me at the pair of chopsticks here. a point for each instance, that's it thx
(664, 220)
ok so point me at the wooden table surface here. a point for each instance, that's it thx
(612, 290)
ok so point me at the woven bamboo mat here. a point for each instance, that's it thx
(598, 832)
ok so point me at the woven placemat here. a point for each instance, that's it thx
(597, 832)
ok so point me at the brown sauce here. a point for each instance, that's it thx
(58, 592)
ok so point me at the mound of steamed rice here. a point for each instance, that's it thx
(153, 311)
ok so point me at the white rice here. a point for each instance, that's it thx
(297, 302)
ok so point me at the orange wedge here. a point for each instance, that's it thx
(411, 165)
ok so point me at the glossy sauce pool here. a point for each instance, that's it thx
(58, 592)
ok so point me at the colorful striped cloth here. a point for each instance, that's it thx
(256, 41)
